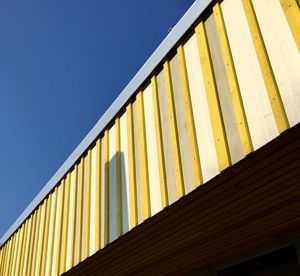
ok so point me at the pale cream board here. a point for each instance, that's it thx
(125, 174)
(112, 185)
(137, 162)
(102, 188)
(183, 138)
(154, 182)
(232, 134)
(93, 202)
(283, 54)
(207, 151)
(166, 137)
(255, 98)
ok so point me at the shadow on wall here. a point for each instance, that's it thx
(116, 192)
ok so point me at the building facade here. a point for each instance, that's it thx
(194, 169)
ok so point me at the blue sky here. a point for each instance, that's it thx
(62, 63)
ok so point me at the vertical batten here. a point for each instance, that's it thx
(41, 238)
(189, 116)
(16, 253)
(102, 193)
(63, 247)
(159, 143)
(168, 154)
(36, 240)
(10, 253)
(86, 206)
(49, 256)
(261, 123)
(19, 252)
(112, 184)
(92, 248)
(46, 236)
(292, 13)
(106, 187)
(185, 149)
(283, 53)
(212, 98)
(137, 165)
(32, 241)
(72, 221)
(173, 131)
(203, 127)
(27, 245)
(2, 265)
(126, 208)
(235, 94)
(265, 67)
(151, 143)
(98, 164)
(118, 178)
(58, 229)
(79, 207)
(131, 167)
(223, 91)
(142, 147)
(88, 202)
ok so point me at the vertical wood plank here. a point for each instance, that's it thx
(131, 165)
(98, 196)
(266, 69)
(146, 209)
(174, 132)
(292, 13)
(212, 99)
(232, 82)
(159, 141)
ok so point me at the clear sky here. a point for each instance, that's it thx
(62, 63)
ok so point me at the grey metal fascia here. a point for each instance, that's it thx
(167, 44)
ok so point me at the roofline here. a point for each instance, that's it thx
(162, 50)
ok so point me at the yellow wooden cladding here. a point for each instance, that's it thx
(265, 66)
(232, 81)
(146, 209)
(292, 13)
(212, 99)
(160, 151)
(98, 196)
(189, 117)
(118, 179)
(139, 163)
(131, 161)
(106, 208)
(173, 130)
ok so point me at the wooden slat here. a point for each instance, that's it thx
(118, 179)
(232, 81)
(212, 99)
(131, 162)
(292, 13)
(266, 69)
(106, 189)
(146, 208)
(174, 132)
(189, 117)
(98, 196)
(159, 141)
(42, 230)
